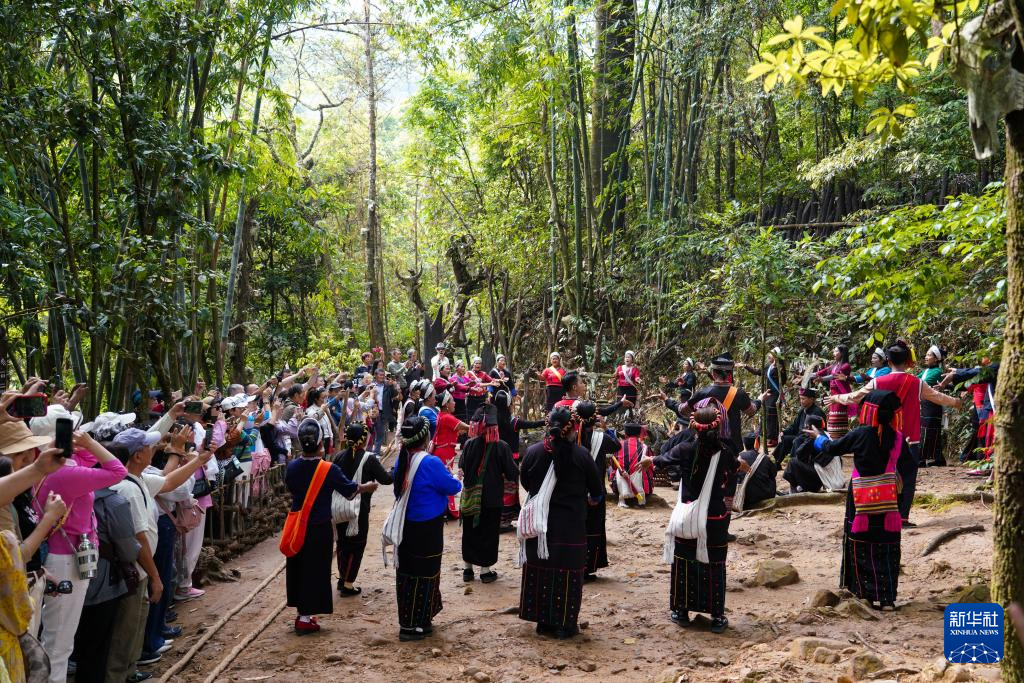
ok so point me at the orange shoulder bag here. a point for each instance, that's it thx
(295, 523)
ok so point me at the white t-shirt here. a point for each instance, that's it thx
(143, 504)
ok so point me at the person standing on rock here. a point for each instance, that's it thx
(308, 571)
(872, 528)
(486, 463)
(416, 526)
(552, 582)
(708, 465)
(355, 460)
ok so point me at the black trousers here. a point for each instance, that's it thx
(92, 641)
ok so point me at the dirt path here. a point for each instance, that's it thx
(627, 631)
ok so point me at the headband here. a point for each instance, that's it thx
(446, 396)
(416, 438)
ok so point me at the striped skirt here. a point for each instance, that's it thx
(838, 422)
(418, 577)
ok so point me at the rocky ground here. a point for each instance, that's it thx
(803, 629)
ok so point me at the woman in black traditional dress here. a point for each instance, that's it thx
(508, 430)
(774, 377)
(872, 530)
(352, 547)
(698, 574)
(418, 566)
(308, 572)
(599, 445)
(486, 463)
(552, 588)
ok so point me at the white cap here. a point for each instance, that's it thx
(47, 425)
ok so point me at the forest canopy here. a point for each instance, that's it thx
(186, 187)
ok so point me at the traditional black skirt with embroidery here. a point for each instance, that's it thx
(480, 541)
(597, 539)
(699, 586)
(552, 590)
(418, 576)
(871, 559)
(308, 572)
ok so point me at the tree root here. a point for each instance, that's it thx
(949, 535)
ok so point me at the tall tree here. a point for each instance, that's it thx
(371, 240)
(613, 80)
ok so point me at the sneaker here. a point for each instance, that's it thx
(681, 618)
(467, 575)
(190, 594)
(170, 632)
(346, 592)
(171, 616)
(719, 624)
(489, 577)
(165, 647)
(139, 676)
(148, 658)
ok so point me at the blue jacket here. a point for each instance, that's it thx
(431, 487)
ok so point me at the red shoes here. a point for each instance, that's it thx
(304, 627)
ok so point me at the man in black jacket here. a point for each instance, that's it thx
(808, 407)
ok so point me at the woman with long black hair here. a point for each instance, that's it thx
(708, 465)
(838, 377)
(552, 583)
(508, 430)
(416, 527)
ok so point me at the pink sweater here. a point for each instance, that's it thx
(75, 484)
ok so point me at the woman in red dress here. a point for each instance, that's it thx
(446, 438)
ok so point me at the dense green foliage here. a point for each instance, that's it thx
(589, 177)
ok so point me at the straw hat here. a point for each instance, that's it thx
(16, 437)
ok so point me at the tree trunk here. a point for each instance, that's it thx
(374, 310)
(613, 80)
(1008, 552)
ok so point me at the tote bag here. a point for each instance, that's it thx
(690, 520)
(345, 510)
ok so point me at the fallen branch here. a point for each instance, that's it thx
(949, 535)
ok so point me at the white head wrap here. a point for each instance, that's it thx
(689, 360)
(878, 352)
(632, 354)
(477, 359)
(556, 354)
(446, 397)
(500, 357)
(934, 349)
